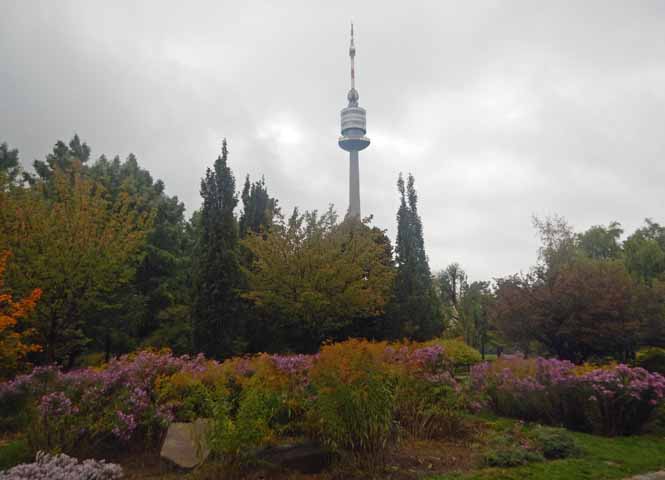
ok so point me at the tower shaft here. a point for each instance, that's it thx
(354, 185)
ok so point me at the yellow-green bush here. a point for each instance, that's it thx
(457, 351)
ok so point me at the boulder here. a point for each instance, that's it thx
(185, 444)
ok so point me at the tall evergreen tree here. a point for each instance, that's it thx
(259, 208)
(9, 165)
(414, 312)
(217, 308)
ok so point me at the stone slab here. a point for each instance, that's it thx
(185, 443)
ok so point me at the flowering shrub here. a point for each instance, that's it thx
(354, 395)
(62, 467)
(90, 407)
(615, 400)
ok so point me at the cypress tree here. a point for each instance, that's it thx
(217, 319)
(414, 312)
(259, 208)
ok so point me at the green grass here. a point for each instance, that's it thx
(603, 458)
(13, 453)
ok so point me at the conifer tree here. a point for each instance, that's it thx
(9, 164)
(217, 275)
(259, 208)
(414, 312)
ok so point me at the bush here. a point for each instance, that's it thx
(426, 410)
(353, 407)
(555, 443)
(652, 359)
(616, 400)
(458, 352)
(85, 409)
(236, 438)
(62, 467)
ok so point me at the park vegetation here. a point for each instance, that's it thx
(119, 316)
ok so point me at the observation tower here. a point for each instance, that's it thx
(353, 137)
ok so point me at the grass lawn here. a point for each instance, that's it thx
(603, 458)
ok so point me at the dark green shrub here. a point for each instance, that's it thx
(555, 443)
(652, 359)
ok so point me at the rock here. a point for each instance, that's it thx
(185, 443)
(305, 457)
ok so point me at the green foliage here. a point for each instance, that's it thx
(429, 410)
(80, 249)
(312, 278)
(414, 312)
(457, 351)
(235, 438)
(652, 359)
(217, 309)
(13, 453)
(555, 443)
(9, 164)
(161, 284)
(601, 243)
(259, 208)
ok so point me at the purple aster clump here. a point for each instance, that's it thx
(63, 467)
(95, 399)
(292, 364)
(427, 357)
(125, 426)
(55, 404)
(613, 400)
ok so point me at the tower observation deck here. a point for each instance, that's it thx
(353, 137)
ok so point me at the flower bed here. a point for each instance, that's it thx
(614, 400)
(347, 387)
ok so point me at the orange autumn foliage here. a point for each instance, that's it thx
(13, 348)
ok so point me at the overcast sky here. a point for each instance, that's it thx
(500, 109)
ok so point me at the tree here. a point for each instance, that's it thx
(259, 208)
(9, 164)
(601, 243)
(66, 158)
(558, 245)
(314, 278)
(217, 278)
(644, 253)
(66, 237)
(414, 312)
(476, 302)
(451, 285)
(160, 289)
(589, 309)
(14, 345)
